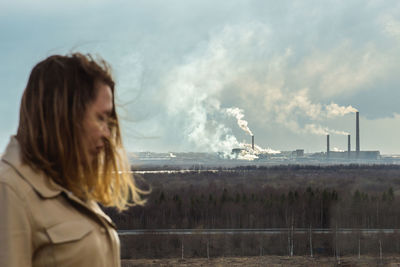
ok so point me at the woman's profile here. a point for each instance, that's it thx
(66, 157)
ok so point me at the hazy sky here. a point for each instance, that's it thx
(187, 70)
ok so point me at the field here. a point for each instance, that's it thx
(273, 261)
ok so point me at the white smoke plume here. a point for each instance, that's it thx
(320, 130)
(335, 149)
(237, 67)
(334, 110)
(238, 114)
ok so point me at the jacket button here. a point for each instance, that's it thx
(102, 230)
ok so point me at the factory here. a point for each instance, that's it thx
(349, 154)
(252, 154)
(299, 155)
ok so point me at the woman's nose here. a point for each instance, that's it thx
(106, 132)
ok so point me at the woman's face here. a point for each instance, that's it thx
(96, 120)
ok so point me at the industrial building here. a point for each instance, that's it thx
(251, 154)
(298, 154)
(349, 154)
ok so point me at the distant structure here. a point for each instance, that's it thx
(348, 146)
(237, 150)
(358, 133)
(357, 154)
(327, 146)
(258, 156)
(298, 153)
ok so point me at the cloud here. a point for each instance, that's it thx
(290, 66)
(344, 69)
(390, 25)
(381, 134)
(230, 76)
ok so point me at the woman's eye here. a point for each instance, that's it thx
(101, 118)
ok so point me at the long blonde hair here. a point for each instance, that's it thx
(50, 131)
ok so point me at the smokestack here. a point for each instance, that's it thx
(348, 146)
(252, 142)
(327, 146)
(357, 133)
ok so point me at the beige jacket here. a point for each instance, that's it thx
(44, 225)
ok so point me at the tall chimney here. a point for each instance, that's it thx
(357, 133)
(348, 146)
(252, 142)
(327, 146)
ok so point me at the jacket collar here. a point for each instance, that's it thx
(41, 183)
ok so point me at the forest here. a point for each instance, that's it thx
(250, 197)
(269, 197)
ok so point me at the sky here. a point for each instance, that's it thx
(202, 75)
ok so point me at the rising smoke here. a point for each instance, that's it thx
(240, 70)
(238, 114)
(334, 110)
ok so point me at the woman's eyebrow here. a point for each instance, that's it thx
(107, 112)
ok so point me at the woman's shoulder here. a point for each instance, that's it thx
(21, 177)
(11, 180)
(10, 177)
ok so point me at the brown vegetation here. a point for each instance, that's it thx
(275, 197)
(350, 196)
(271, 261)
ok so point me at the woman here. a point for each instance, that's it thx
(67, 156)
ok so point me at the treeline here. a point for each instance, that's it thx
(327, 167)
(291, 167)
(265, 208)
(367, 178)
(267, 197)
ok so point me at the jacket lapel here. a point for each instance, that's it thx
(44, 185)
